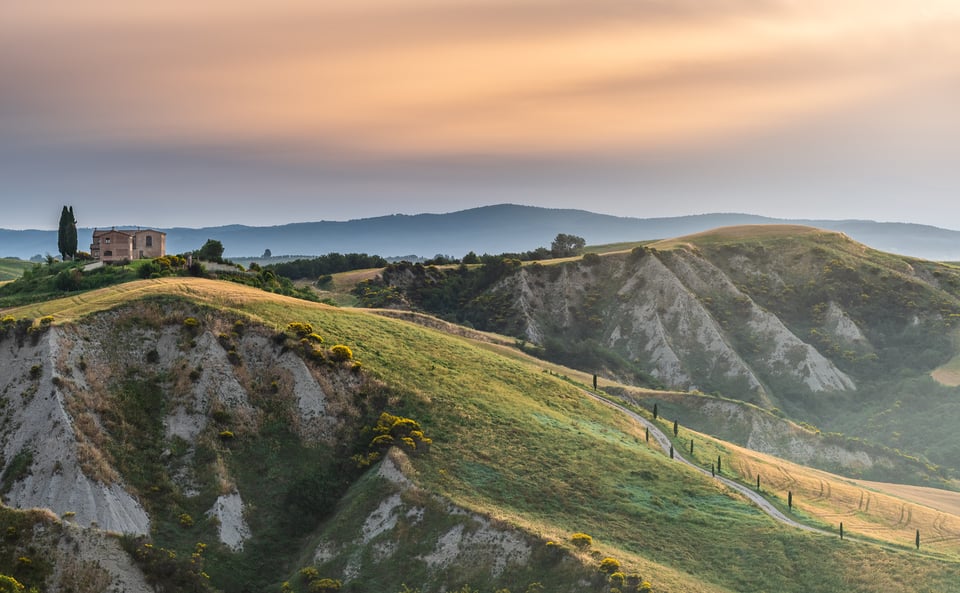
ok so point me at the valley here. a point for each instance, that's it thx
(248, 434)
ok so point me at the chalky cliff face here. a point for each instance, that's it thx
(757, 320)
(161, 416)
(655, 309)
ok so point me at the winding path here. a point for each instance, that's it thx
(664, 442)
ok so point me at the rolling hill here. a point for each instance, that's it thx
(191, 411)
(801, 321)
(490, 229)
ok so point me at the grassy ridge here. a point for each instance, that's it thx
(11, 269)
(529, 449)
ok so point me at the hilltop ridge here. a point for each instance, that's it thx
(492, 229)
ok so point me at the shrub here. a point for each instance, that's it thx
(186, 520)
(341, 353)
(581, 541)
(153, 356)
(46, 320)
(9, 584)
(226, 435)
(314, 337)
(324, 586)
(191, 324)
(35, 371)
(299, 329)
(309, 574)
(591, 259)
(609, 565)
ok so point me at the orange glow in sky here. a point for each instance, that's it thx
(425, 79)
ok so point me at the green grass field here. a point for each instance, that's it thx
(11, 269)
(514, 440)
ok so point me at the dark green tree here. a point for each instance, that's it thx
(918, 539)
(267, 253)
(212, 250)
(565, 245)
(67, 234)
(654, 411)
(676, 428)
(470, 258)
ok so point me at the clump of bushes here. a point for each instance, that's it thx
(191, 325)
(394, 431)
(298, 329)
(609, 566)
(341, 353)
(581, 541)
(315, 584)
(164, 570)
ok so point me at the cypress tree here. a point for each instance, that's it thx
(654, 411)
(691, 446)
(790, 500)
(918, 539)
(841, 529)
(671, 451)
(719, 467)
(713, 471)
(72, 235)
(594, 382)
(67, 234)
(646, 434)
(758, 482)
(676, 428)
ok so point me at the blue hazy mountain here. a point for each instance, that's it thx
(488, 229)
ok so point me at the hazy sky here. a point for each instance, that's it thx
(195, 113)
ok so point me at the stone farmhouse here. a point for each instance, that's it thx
(119, 246)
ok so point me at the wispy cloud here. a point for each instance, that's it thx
(288, 85)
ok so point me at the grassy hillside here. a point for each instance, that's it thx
(10, 269)
(827, 330)
(528, 450)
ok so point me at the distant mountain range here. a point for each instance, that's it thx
(489, 229)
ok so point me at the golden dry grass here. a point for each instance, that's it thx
(223, 294)
(949, 373)
(886, 512)
(943, 500)
(741, 233)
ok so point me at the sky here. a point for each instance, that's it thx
(264, 112)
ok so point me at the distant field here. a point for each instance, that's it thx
(615, 247)
(888, 513)
(11, 269)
